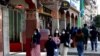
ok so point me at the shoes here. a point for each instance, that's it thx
(92, 49)
(96, 50)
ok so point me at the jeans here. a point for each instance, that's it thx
(94, 44)
(56, 52)
(80, 48)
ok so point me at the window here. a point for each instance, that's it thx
(45, 22)
(15, 17)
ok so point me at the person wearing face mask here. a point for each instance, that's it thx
(36, 43)
(50, 46)
(57, 42)
(62, 37)
(66, 40)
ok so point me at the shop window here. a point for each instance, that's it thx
(14, 25)
(45, 22)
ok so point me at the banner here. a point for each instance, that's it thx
(82, 8)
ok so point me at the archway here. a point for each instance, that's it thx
(76, 18)
(67, 17)
(73, 20)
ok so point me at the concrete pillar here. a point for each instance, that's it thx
(6, 31)
(54, 25)
(31, 24)
(65, 18)
(70, 22)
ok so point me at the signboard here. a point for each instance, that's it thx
(65, 5)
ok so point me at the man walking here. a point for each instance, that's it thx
(86, 35)
(93, 38)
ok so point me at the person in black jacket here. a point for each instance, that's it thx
(50, 46)
(93, 38)
(62, 39)
(36, 43)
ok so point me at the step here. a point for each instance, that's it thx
(85, 54)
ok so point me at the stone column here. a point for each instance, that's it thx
(70, 22)
(65, 18)
(6, 31)
(31, 24)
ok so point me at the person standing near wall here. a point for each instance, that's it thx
(36, 43)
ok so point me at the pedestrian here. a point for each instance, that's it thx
(79, 42)
(57, 41)
(93, 38)
(86, 35)
(62, 39)
(50, 46)
(36, 43)
(73, 32)
(66, 40)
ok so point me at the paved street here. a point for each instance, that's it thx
(71, 52)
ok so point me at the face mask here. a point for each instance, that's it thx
(35, 33)
(56, 31)
(63, 32)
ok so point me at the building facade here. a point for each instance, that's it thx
(90, 12)
(61, 18)
(18, 21)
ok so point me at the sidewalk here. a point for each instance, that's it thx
(24, 54)
(71, 52)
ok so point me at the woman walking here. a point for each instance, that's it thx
(79, 42)
(57, 42)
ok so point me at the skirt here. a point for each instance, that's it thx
(36, 51)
